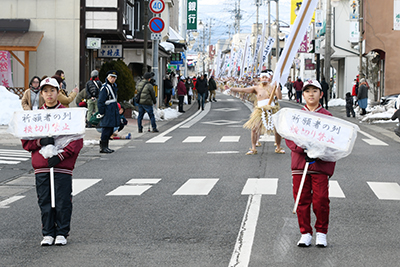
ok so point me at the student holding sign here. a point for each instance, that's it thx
(315, 189)
(55, 221)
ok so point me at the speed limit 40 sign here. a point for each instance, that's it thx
(157, 6)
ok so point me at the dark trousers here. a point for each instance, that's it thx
(142, 110)
(299, 97)
(290, 94)
(106, 133)
(203, 99)
(324, 99)
(349, 109)
(180, 104)
(167, 99)
(55, 221)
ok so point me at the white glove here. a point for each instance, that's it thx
(99, 116)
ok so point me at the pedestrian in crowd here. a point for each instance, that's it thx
(349, 105)
(147, 100)
(195, 94)
(92, 91)
(332, 93)
(263, 92)
(289, 86)
(298, 86)
(181, 91)
(206, 95)
(55, 221)
(108, 110)
(167, 84)
(325, 90)
(189, 89)
(362, 96)
(174, 81)
(201, 87)
(64, 99)
(63, 88)
(395, 116)
(123, 122)
(81, 98)
(212, 86)
(315, 189)
(32, 98)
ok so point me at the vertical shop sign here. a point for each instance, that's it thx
(192, 14)
(396, 17)
(5, 69)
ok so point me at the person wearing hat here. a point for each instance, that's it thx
(362, 96)
(55, 221)
(147, 98)
(315, 190)
(108, 110)
(92, 93)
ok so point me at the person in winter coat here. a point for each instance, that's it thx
(32, 98)
(147, 99)
(92, 92)
(315, 189)
(212, 86)
(325, 90)
(289, 86)
(55, 221)
(108, 110)
(181, 91)
(189, 89)
(349, 105)
(62, 96)
(298, 86)
(201, 87)
(167, 84)
(362, 96)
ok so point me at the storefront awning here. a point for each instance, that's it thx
(174, 36)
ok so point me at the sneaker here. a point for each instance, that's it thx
(321, 240)
(305, 240)
(60, 240)
(47, 241)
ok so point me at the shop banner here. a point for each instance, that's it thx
(5, 69)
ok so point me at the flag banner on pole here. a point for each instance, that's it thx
(267, 50)
(244, 61)
(325, 137)
(264, 33)
(258, 44)
(292, 44)
(31, 124)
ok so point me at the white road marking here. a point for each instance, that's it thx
(223, 152)
(143, 181)
(159, 139)
(267, 138)
(194, 139)
(335, 190)
(196, 187)
(260, 186)
(386, 191)
(4, 203)
(129, 190)
(372, 140)
(13, 158)
(221, 122)
(78, 185)
(244, 242)
(229, 139)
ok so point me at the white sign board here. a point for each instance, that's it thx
(48, 122)
(93, 43)
(396, 15)
(155, 36)
(327, 137)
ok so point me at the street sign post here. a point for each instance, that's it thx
(156, 25)
(157, 6)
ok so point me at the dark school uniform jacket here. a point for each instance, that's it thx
(68, 156)
(299, 157)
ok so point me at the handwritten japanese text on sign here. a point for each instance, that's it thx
(48, 122)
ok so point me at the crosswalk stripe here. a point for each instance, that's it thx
(194, 139)
(159, 139)
(9, 162)
(19, 154)
(335, 190)
(196, 187)
(134, 187)
(229, 139)
(267, 138)
(78, 185)
(260, 186)
(385, 190)
(4, 203)
(12, 158)
(15, 151)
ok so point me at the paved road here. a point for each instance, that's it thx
(188, 196)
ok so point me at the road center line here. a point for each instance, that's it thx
(244, 243)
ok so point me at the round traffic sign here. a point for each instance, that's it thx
(157, 6)
(156, 25)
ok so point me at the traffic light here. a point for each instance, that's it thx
(176, 57)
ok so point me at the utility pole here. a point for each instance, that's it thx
(145, 33)
(269, 31)
(327, 57)
(360, 22)
(277, 31)
(238, 19)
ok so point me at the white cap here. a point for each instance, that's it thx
(312, 83)
(49, 81)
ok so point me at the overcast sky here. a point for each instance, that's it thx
(222, 14)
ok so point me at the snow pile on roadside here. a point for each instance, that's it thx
(9, 102)
(335, 102)
(90, 142)
(377, 114)
(160, 114)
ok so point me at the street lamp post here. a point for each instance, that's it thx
(204, 26)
